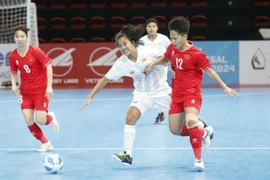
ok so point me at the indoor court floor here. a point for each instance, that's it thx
(87, 139)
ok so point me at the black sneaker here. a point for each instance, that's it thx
(160, 118)
(204, 126)
(124, 158)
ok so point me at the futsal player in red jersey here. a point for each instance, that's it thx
(188, 62)
(36, 85)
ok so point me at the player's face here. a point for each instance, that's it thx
(20, 38)
(126, 47)
(177, 39)
(151, 28)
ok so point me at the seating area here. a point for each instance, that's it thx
(63, 21)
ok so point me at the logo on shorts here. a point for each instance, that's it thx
(62, 61)
(193, 101)
(44, 104)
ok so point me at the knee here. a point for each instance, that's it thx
(191, 120)
(41, 120)
(176, 131)
(29, 121)
(132, 118)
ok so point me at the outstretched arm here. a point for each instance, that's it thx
(213, 75)
(101, 83)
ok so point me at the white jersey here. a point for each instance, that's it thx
(161, 42)
(153, 83)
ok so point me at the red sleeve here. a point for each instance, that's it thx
(42, 57)
(12, 64)
(202, 61)
(168, 53)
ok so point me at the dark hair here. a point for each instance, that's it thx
(23, 28)
(180, 25)
(151, 20)
(132, 33)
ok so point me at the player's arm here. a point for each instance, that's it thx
(101, 83)
(49, 75)
(213, 75)
(159, 61)
(13, 69)
(113, 74)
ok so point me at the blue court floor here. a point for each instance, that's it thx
(87, 139)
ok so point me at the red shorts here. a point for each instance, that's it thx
(188, 101)
(34, 101)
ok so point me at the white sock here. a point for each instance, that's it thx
(129, 137)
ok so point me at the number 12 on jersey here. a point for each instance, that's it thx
(179, 62)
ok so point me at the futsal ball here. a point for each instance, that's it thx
(53, 163)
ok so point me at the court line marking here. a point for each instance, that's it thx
(129, 99)
(108, 149)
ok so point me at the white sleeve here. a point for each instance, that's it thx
(116, 71)
(166, 42)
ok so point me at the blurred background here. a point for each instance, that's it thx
(61, 21)
(79, 36)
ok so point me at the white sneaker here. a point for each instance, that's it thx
(198, 165)
(207, 139)
(55, 124)
(45, 147)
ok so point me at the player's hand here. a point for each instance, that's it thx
(231, 92)
(49, 92)
(149, 68)
(87, 101)
(15, 90)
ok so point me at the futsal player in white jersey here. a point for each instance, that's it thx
(156, 40)
(151, 90)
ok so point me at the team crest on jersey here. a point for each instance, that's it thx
(31, 59)
(172, 53)
(143, 59)
(187, 56)
(132, 72)
(17, 62)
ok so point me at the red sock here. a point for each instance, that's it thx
(184, 131)
(49, 119)
(195, 138)
(37, 132)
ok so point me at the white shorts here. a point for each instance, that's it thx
(144, 102)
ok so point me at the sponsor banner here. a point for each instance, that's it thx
(223, 56)
(82, 65)
(254, 60)
(5, 75)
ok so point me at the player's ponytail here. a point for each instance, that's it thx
(132, 33)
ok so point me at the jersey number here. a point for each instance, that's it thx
(26, 68)
(21, 99)
(179, 63)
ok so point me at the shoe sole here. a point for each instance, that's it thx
(41, 150)
(120, 160)
(199, 169)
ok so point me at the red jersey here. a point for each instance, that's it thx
(188, 66)
(32, 67)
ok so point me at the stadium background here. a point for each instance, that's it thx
(79, 36)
